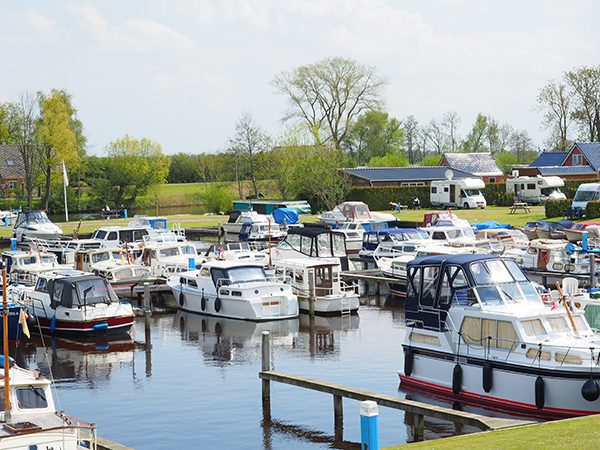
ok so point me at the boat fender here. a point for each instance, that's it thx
(539, 392)
(203, 301)
(457, 379)
(217, 304)
(52, 324)
(181, 299)
(409, 359)
(590, 390)
(488, 373)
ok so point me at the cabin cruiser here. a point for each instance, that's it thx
(237, 290)
(319, 279)
(387, 238)
(575, 233)
(8, 217)
(251, 226)
(25, 267)
(462, 236)
(73, 302)
(553, 230)
(114, 265)
(114, 237)
(315, 242)
(35, 421)
(157, 226)
(236, 251)
(479, 332)
(35, 224)
(166, 259)
(261, 231)
(354, 212)
(509, 238)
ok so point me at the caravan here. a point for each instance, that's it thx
(464, 193)
(535, 190)
(586, 192)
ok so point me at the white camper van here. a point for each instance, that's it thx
(536, 190)
(586, 192)
(463, 193)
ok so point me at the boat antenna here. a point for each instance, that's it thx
(6, 360)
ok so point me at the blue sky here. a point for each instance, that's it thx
(182, 71)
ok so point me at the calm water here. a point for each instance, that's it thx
(198, 385)
(162, 211)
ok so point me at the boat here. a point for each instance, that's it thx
(71, 302)
(8, 217)
(319, 279)
(553, 230)
(166, 259)
(237, 251)
(575, 233)
(354, 212)
(251, 226)
(35, 224)
(388, 237)
(114, 237)
(353, 233)
(509, 238)
(158, 226)
(479, 332)
(462, 236)
(236, 290)
(25, 267)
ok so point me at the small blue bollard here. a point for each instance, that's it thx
(192, 263)
(13, 244)
(369, 426)
(125, 214)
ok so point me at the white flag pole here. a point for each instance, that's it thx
(65, 184)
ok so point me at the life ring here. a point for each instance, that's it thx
(181, 299)
(217, 304)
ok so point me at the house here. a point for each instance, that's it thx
(12, 171)
(400, 176)
(481, 165)
(582, 161)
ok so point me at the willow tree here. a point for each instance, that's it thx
(328, 95)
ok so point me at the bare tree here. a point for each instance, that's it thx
(21, 120)
(436, 136)
(450, 121)
(520, 143)
(411, 138)
(555, 102)
(584, 85)
(248, 141)
(328, 95)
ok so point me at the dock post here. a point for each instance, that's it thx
(13, 244)
(266, 367)
(338, 417)
(419, 427)
(311, 293)
(147, 305)
(369, 426)
(592, 271)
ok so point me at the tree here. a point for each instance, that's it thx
(584, 86)
(431, 160)
(521, 145)
(183, 168)
(21, 119)
(130, 169)
(410, 127)
(328, 95)
(374, 134)
(436, 137)
(555, 102)
(389, 160)
(246, 144)
(60, 136)
(476, 137)
(450, 122)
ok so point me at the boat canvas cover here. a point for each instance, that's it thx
(491, 225)
(287, 215)
(71, 291)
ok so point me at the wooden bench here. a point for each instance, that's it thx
(519, 205)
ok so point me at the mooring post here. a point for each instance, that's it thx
(338, 417)
(592, 271)
(266, 367)
(369, 426)
(312, 292)
(147, 303)
(419, 427)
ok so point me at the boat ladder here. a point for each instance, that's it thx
(345, 306)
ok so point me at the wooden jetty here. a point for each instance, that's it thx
(368, 278)
(418, 409)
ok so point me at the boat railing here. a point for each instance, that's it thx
(85, 431)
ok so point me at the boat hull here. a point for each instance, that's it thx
(87, 328)
(14, 327)
(330, 305)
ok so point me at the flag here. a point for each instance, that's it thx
(65, 178)
(23, 323)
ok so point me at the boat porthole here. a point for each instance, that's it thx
(456, 379)
(539, 392)
(218, 304)
(590, 390)
(181, 299)
(203, 303)
(487, 376)
(256, 291)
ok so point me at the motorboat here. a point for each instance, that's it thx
(236, 290)
(530, 230)
(115, 236)
(158, 227)
(479, 332)
(236, 251)
(251, 226)
(70, 302)
(114, 265)
(553, 230)
(25, 267)
(575, 233)
(318, 280)
(462, 236)
(8, 217)
(445, 218)
(35, 224)
(388, 237)
(354, 212)
(315, 242)
(509, 238)
(64, 249)
(166, 259)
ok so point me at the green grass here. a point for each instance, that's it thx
(579, 433)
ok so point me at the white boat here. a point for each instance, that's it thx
(25, 267)
(462, 236)
(237, 251)
(251, 226)
(114, 237)
(353, 233)
(319, 279)
(379, 240)
(354, 212)
(235, 290)
(35, 224)
(167, 259)
(35, 422)
(114, 265)
(8, 217)
(479, 333)
(71, 302)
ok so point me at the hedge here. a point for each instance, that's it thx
(557, 208)
(592, 210)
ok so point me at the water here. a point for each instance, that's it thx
(198, 386)
(162, 211)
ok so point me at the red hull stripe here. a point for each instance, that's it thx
(113, 322)
(496, 401)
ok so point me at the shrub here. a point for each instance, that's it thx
(557, 208)
(592, 210)
(379, 197)
(217, 198)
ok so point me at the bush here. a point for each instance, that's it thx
(557, 208)
(217, 198)
(378, 198)
(592, 210)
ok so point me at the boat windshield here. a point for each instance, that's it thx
(188, 250)
(246, 274)
(95, 290)
(99, 234)
(502, 282)
(169, 251)
(98, 257)
(38, 217)
(410, 236)
(48, 259)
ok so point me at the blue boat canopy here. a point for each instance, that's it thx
(289, 215)
(490, 225)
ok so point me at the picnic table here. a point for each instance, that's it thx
(519, 205)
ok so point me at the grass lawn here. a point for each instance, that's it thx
(579, 433)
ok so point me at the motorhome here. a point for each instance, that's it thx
(535, 190)
(586, 192)
(463, 193)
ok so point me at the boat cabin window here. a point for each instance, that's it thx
(306, 245)
(454, 281)
(98, 257)
(112, 236)
(27, 260)
(293, 240)
(92, 291)
(558, 324)
(246, 274)
(166, 252)
(488, 332)
(48, 259)
(323, 245)
(204, 272)
(122, 274)
(192, 283)
(188, 250)
(41, 285)
(438, 235)
(339, 245)
(430, 277)
(31, 397)
(533, 327)
(99, 234)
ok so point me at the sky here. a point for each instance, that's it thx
(182, 72)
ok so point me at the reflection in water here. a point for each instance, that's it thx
(324, 332)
